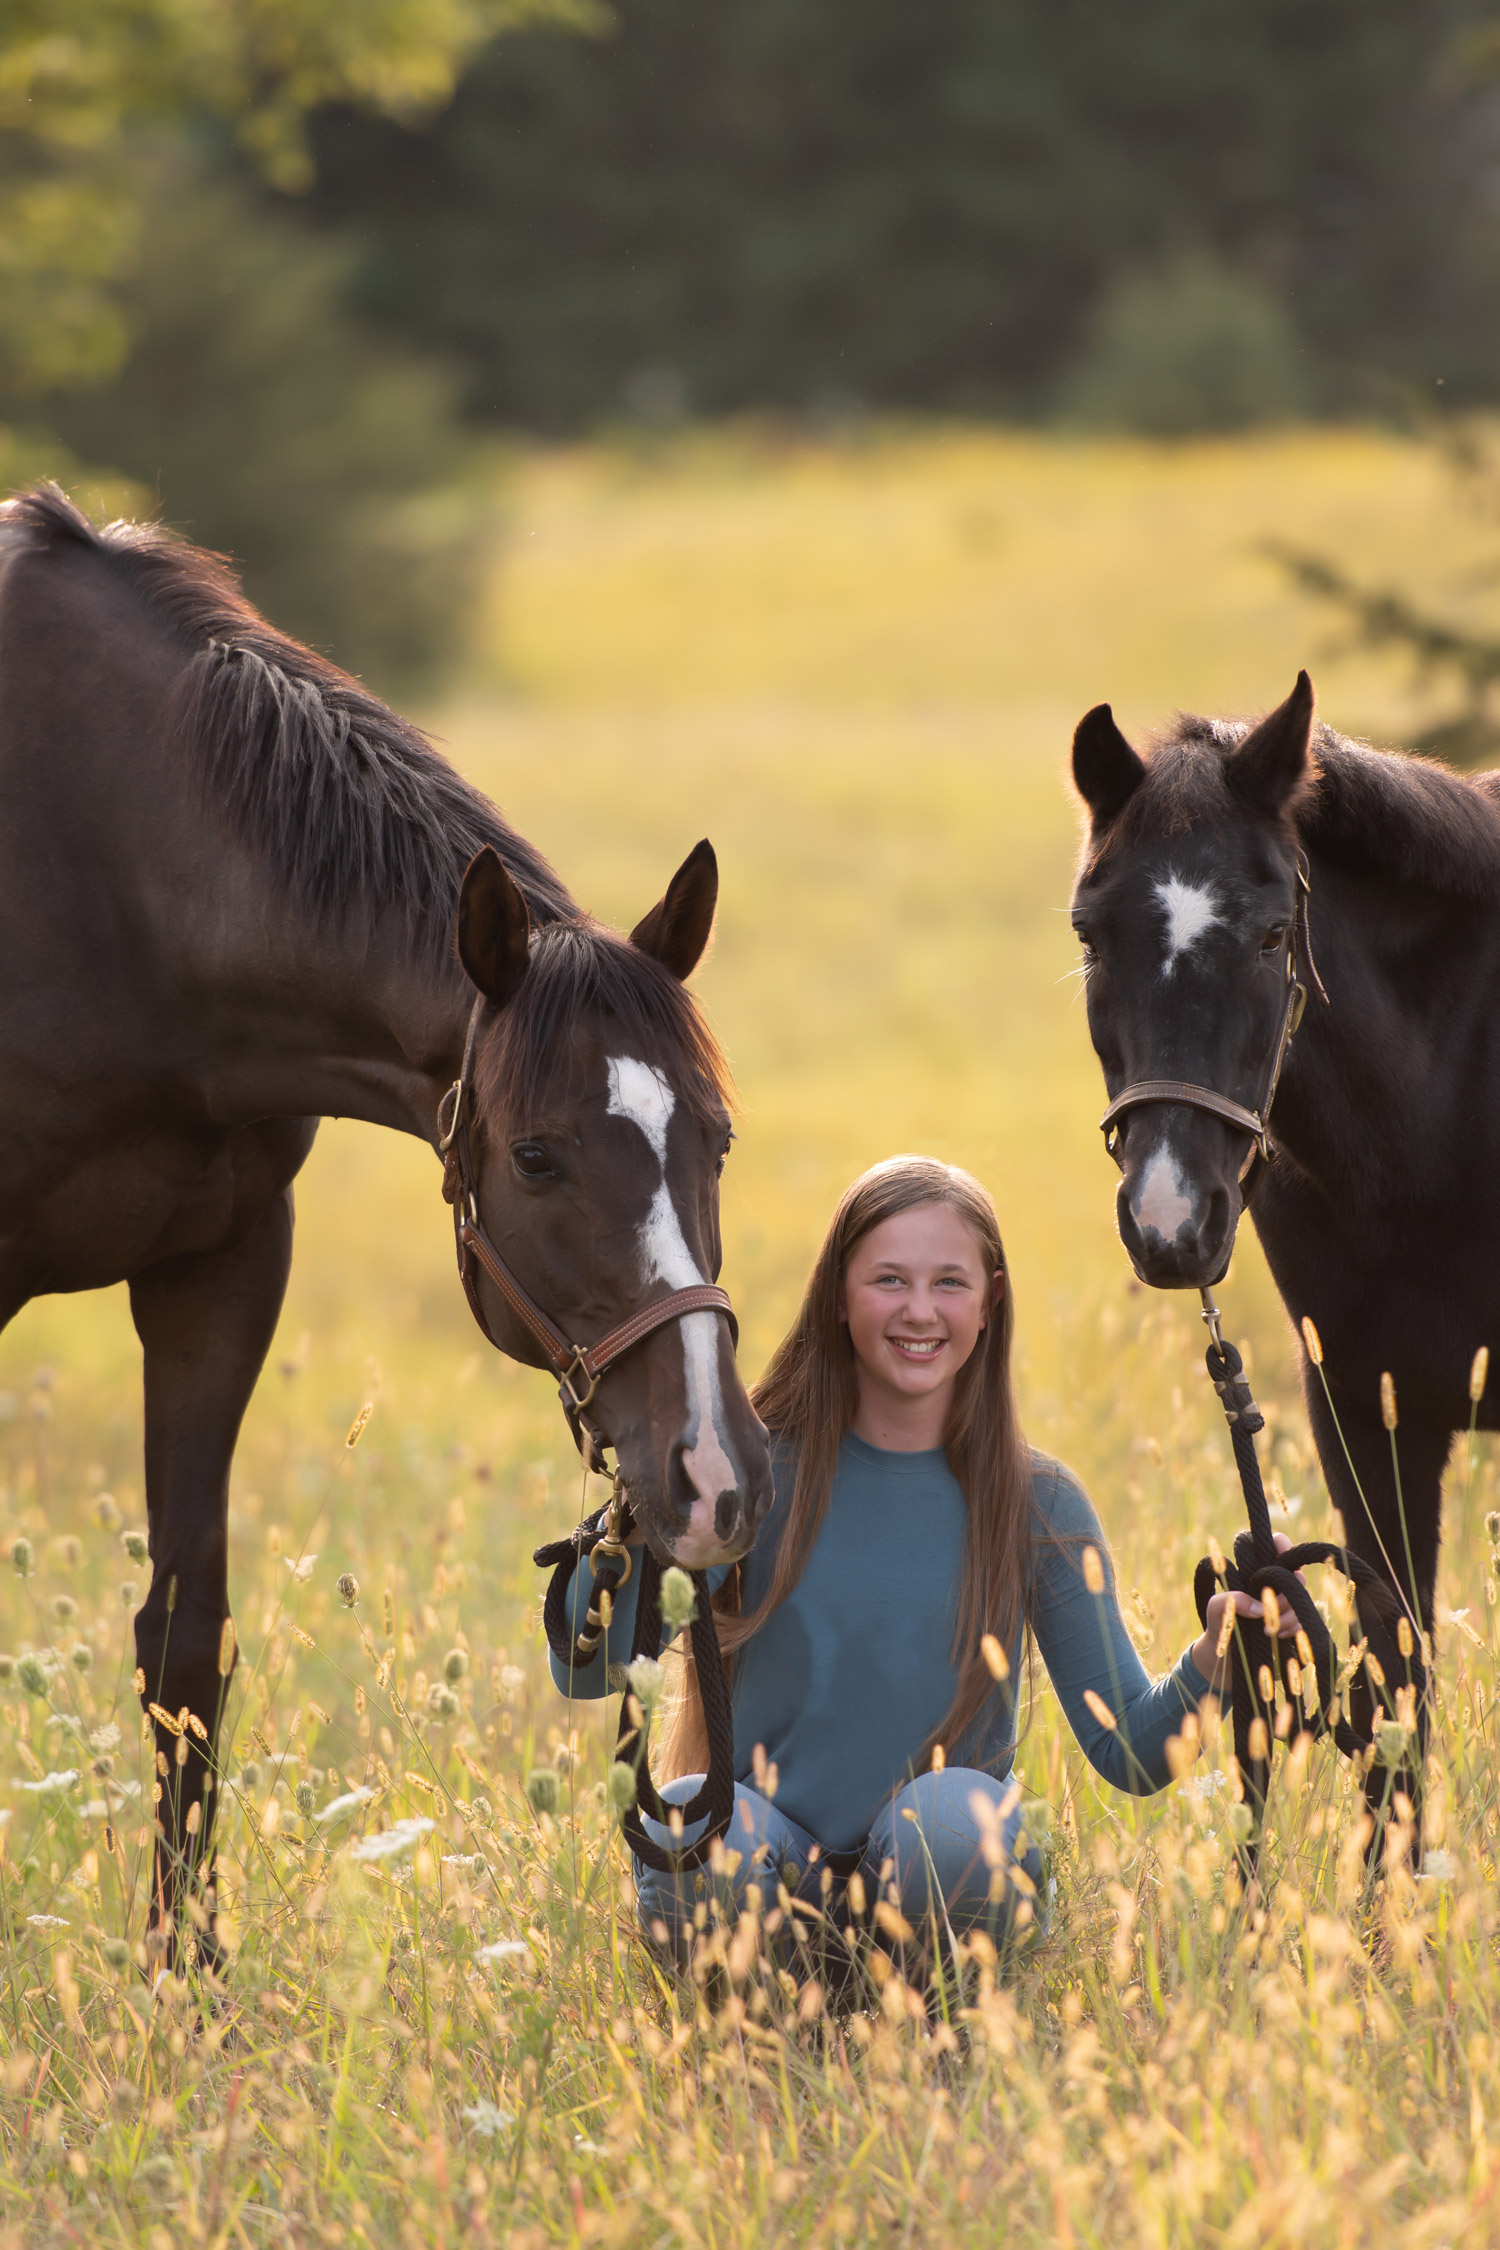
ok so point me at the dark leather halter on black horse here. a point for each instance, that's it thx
(578, 1368)
(1392, 1659)
(1255, 1122)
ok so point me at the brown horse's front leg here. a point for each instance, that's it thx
(206, 1323)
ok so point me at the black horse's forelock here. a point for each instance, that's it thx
(579, 971)
(1389, 809)
(350, 804)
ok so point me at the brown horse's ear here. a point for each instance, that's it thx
(1271, 761)
(494, 928)
(677, 928)
(1106, 770)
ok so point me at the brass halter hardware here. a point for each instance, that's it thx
(1254, 1122)
(577, 1367)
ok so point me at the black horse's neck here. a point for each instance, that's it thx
(1375, 1105)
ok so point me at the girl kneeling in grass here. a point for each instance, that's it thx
(875, 1631)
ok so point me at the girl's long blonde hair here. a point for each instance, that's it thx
(807, 1398)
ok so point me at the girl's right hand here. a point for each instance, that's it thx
(1214, 1668)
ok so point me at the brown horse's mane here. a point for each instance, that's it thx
(355, 810)
(578, 968)
(1389, 809)
(351, 805)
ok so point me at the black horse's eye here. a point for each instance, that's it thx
(1272, 941)
(1090, 950)
(531, 1160)
(723, 1156)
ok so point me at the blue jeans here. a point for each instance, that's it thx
(946, 1843)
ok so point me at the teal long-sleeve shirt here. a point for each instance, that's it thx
(846, 1680)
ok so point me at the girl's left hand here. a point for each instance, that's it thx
(1215, 1669)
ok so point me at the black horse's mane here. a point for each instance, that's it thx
(351, 805)
(1390, 809)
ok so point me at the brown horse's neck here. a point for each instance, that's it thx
(368, 1023)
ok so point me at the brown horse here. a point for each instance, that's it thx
(233, 899)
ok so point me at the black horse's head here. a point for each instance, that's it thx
(1186, 906)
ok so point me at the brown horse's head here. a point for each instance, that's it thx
(599, 1133)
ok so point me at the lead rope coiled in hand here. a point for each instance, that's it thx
(1258, 1663)
(604, 1534)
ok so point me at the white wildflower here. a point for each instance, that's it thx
(393, 1842)
(486, 2120)
(647, 1680)
(351, 1800)
(53, 1784)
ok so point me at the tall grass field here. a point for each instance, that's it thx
(856, 667)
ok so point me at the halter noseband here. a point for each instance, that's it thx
(578, 1367)
(1255, 1122)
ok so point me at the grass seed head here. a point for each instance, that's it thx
(1388, 1401)
(678, 1601)
(621, 1787)
(542, 1790)
(1313, 1341)
(348, 1589)
(995, 1657)
(22, 1556)
(1479, 1373)
(134, 1544)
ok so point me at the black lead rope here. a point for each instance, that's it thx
(1258, 1660)
(606, 1533)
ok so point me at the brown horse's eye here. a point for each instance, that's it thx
(723, 1156)
(531, 1160)
(1271, 942)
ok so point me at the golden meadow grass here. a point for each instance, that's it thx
(857, 670)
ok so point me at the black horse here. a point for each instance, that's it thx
(1222, 871)
(237, 894)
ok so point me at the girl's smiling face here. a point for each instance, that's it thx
(916, 1297)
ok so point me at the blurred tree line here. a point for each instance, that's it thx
(1176, 213)
(255, 258)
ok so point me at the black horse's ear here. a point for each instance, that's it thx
(494, 928)
(677, 928)
(1272, 759)
(1106, 770)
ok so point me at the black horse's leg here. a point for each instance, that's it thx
(206, 1323)
(1399, 1535)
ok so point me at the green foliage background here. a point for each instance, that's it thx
(285, 272)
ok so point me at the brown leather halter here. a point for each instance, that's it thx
(578, 1367)
(1255, 1122)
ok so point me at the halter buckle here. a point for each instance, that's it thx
(455, 1094)
(567, 1389)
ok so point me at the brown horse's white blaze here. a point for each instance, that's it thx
(640, 1092)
